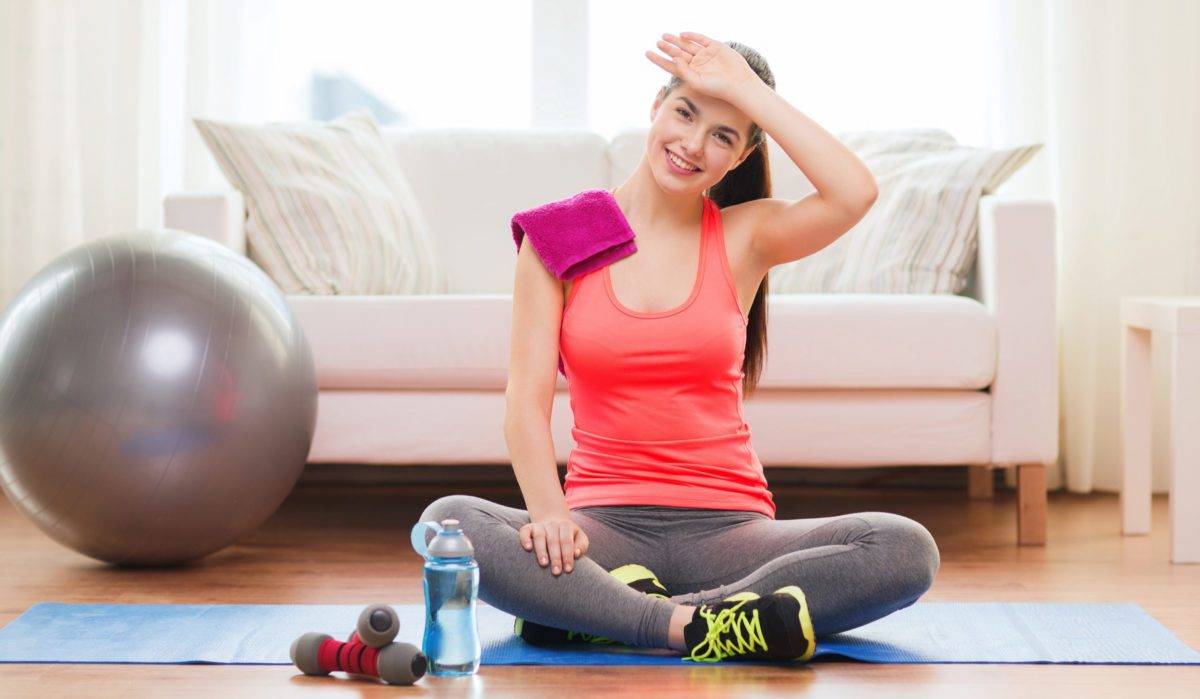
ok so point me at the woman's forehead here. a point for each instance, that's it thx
(713, 109)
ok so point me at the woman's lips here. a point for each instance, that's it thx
(675, 168)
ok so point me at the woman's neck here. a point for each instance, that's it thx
(649, 208)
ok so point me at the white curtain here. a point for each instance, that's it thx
(1128, 121)
(95, 104)
(1111, 87)
(78, 127)
(229, 69)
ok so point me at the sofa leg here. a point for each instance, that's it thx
(980, 482)
(1031, 504)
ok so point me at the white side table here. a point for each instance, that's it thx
(1175, 319)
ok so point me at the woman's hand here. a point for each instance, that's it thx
(708, 65)
(556, 541)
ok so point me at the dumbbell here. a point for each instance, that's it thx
(394, 663)
(377, 627)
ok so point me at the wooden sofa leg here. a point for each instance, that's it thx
(1031, 504)
(980, 482)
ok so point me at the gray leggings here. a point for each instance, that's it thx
(853, 568)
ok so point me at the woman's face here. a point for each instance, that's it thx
(709, 133)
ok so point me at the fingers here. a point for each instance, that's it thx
(686, 44)
(554, 547)
(539, 544)
(555, 544)
(663, 63)
(567, 537)
(689, 41)
(669, 49)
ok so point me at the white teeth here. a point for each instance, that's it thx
(680, 163)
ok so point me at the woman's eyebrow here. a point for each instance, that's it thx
(720, 127)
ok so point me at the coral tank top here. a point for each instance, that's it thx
(657, 397)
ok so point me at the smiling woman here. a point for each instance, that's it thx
(711, 145)
(663, 460)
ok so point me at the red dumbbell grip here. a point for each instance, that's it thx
(358, 658)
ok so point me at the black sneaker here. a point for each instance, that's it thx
(775, 627)
(636, 576)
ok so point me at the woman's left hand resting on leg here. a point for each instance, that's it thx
(556, 541)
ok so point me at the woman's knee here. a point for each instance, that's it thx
(467, 509)
(913, 555)
(475, 515)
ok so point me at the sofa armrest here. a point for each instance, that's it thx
(219, 215)
(1017, 270)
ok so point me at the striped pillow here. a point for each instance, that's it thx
(329, 209)
(921, 235)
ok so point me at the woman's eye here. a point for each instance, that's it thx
(684, 112)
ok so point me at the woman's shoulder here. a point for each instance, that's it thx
(582, 198)
(576, 234)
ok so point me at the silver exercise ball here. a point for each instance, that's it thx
(157, 398)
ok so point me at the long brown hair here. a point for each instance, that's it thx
(750, 180)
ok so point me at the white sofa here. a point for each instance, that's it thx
(851, 380)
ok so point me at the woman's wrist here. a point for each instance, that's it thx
(545, 514)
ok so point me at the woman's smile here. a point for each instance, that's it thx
(678, 165)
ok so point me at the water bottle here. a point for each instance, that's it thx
(451, 581)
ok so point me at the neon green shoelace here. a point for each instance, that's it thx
(747, 634)
(588, 637)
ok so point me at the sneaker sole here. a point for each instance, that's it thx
(805, 619)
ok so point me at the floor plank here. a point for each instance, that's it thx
(339, 545)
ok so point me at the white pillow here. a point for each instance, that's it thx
(921, 235)
(329, 210)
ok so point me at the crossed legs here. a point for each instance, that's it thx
(853, 568)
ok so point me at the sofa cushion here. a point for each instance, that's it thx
(461, 341)
(921, 234)
(329, 209)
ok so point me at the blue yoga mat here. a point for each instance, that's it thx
(260, 634)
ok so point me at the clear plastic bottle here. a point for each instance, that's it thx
(451, 582)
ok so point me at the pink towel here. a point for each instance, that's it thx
(576, 235)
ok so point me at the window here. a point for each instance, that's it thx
(457, 63)
(848, 65)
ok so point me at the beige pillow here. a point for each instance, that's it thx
(921, 235)
(329, 210)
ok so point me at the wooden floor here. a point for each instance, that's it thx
(334, 545)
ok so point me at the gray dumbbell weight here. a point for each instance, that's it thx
(377, 626)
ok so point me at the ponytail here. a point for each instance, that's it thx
(748, 181)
